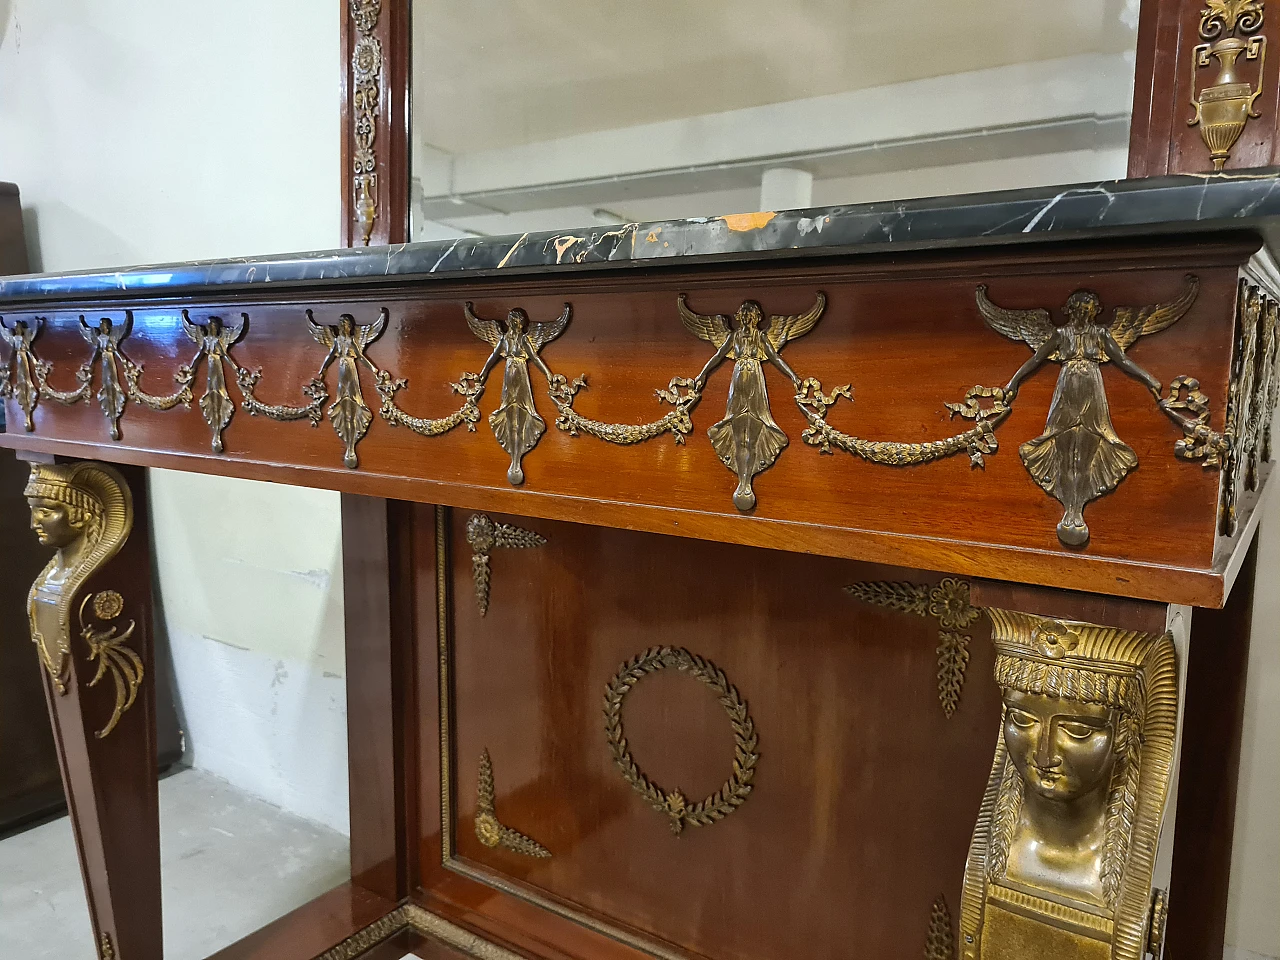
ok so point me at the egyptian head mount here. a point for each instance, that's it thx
(85, 512)
(1063, 854)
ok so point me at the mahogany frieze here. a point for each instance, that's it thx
(917, 356)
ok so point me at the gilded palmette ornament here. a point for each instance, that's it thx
(483, 536)
(1079, 457)
(108, 644)
(516, 423)
(489, 829)
(747, 440)
(1063, 854)
(947, 601)
(18, 373)
(673, 804)
(1231, 29)
(346, 342)
(85, 512)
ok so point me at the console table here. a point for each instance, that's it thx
(852, 582)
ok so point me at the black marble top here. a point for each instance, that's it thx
(1113, 208)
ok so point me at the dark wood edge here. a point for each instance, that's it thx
(1142, 615)
(1192, 586)
(314, 928)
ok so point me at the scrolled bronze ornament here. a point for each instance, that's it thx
(1079, 457)
(748, 441)
(366, 75)
(484, 535)
(1230, 29)
(85, 512)
(108, 645)
(18, 377)
(947, 601)
(113, 366)
(1063, 853)
(491, 831)
(673, 804)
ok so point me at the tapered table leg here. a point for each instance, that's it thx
(90, 612)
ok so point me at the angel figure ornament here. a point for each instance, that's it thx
(747, 440)
(20, 383)
(516, 423)
(349, 413)
(213, 340)
(1079, 457)
(1063, 855)
(105, 339)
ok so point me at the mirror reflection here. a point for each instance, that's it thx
(551, 115)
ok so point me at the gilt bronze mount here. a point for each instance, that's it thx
(948, 603)
(484, 535)
(1063, 854)
(1231, 29)
(85, 512)
(673, 804)
(491, 831)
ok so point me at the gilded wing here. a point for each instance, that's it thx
(783, 329)
(89, 333)
(193, 331)
(321, 332)
(543, 333)
(8, 336)
(1032, 327)
(487, 330)
(230, 336)
(712, 329)
(1134, 322)
(367, 334)
(121, 330)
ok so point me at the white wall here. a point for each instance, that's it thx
(145, 130)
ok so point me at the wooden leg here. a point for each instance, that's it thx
(377, 567)
(1213, 725)
(104, 727)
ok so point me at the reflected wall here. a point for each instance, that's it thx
(557, 115)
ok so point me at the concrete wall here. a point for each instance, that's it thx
(145, 130)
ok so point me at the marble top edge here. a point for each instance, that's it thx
(1158, 205)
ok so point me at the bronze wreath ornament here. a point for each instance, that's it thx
(673, 804)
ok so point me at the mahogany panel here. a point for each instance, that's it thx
(1072, 605)
(1152, 537)
(865, 793)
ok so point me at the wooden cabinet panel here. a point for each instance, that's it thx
(864, 794)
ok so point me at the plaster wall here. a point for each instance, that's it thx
(148, 130)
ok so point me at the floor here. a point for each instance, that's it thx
(220, 849)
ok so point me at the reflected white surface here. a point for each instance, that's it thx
(548, 115)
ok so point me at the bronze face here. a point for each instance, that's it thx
(1062, 749)
(52, 523)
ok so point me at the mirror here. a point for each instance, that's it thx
(551, 115)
